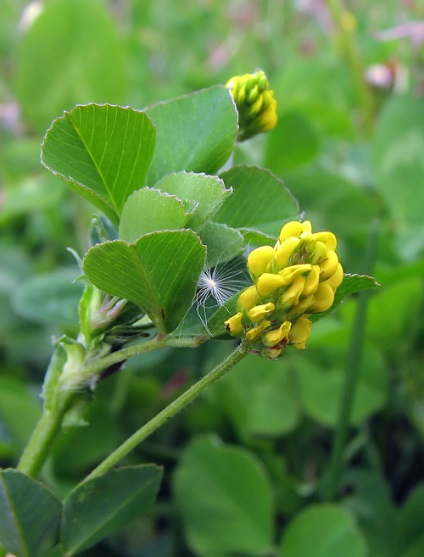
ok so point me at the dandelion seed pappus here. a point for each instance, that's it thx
(217, 284)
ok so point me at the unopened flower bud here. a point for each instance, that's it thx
(255, 103)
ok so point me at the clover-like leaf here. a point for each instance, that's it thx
(30, 515)
(260, 201)
(206, 193)
(98, 507)
(149, 209)
(195, 132)
(101, 151)
(159, 273)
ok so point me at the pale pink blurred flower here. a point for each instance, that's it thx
(412, 30)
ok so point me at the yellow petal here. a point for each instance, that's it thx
(292, 294)
(258, 260)
(293, 228)
(248, 299)
(284, 251)
(311, 281)
(324, 298)
(259, 312)
(299, 333)
(329, 265)
(255, 333)
(234, 324)
(268, 283)
(336, 278)
(274, 337)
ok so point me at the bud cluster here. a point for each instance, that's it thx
(296, 278)
(255, 103)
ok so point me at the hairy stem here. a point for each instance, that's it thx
(178, 404)
(61, 395)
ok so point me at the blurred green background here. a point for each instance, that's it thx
(350, 146)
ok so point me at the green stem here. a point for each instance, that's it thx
(332, 481)
(178, 404)
(345, 23)
(91, 369)
(61, 395)
(43, 436)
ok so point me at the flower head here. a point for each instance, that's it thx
(296, 278)
(255, 103)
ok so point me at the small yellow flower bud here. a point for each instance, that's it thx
(336, 278)
(292, 294)
(248, 299)
(329, 265)
(255, 103)
(285, 250)
(234, 324)
(324, 298)
(255, 333)
(271, 338)
(311, 281)
(299, 333)
(258, 260)
(259, 312)
(268, 283)
(269, 118)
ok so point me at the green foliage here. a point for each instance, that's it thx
(98, 507)
(152, 273)
(71, 54)
(30, 515)
(173, 194)
(235, 500)
(108, 148)
(324, 531)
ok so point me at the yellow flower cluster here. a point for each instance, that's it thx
(296, 278)
(255, 103)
